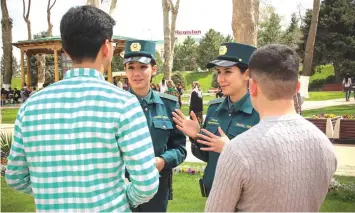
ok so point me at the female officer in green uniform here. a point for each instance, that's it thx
(168, 142)
(233, 114)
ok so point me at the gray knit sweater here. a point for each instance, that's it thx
(282, 164)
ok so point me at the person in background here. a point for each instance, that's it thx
(119, 83)
(196, 103)
(157, 87)
(169, 142)
(17, 96)
(33, 91)
(297, 99)
(226, 117)
(284, 163)
(347, 86)
(163, 87)
(219, 93)
(74, 139)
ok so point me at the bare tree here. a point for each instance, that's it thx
(308, 56)
(50, 26)
(98, 4)
(169, 34)
(26, 17)
(245, 21)
(113, 6)
(6, 24)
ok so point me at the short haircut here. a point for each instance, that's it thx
(275, 68)
(83, 30)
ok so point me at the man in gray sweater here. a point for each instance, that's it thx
(282, 164)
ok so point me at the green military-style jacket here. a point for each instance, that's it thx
(233, 119)
(168, 142)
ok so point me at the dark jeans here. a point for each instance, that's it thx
(347, 93)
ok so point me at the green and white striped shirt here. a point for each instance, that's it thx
(73, 141)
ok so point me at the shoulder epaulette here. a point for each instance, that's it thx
(167, 96)
(216, 101)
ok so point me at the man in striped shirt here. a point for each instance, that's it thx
(74, 139)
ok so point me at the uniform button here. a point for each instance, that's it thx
(146, 109)
(164, 126)
(230, 115)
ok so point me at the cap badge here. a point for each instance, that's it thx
(135, 47)
(222, 50)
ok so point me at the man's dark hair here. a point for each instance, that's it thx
(275, 68)
(83, 30)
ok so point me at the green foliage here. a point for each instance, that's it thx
(214, 82)
(209, 47)
(322, 75)
(185, 55)
(117, 63)
(15, 66)
(292, 34)
(335, 40)
(228, 39)
(5, 141)
(178, 78)
(159, 61)
(270, 27)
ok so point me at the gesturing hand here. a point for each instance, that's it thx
(187, 126)
(214, 143)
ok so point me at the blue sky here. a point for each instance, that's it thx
(144, 18)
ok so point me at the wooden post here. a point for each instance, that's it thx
(29, 82)
(56, 72)
(22, 68)
(109, 73)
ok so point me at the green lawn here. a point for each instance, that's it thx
(9, 115)
(336, 110)
(187, 197)
(322, 96)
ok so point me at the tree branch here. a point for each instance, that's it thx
(28, 9)
(52, 4)
(24, 17)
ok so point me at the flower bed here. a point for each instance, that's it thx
(324, 122)
(345, 128)
(189, 170)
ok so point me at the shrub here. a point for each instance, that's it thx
(214, 82)
(178, 78)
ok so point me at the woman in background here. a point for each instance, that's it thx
(347, 86)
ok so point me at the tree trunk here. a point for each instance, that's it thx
(167, 40)
(308, 57)
(50, 26)
(27, 19)
(245, 21)
(113, 7)
(174, 14)
(337, 69)
(95, 3)
(6, 24)
(41, 65)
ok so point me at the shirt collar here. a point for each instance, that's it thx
(83, 72)
(243, 105)
(151, 97)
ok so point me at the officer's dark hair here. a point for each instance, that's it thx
(83, 30)
(275, 68)
(242, 67)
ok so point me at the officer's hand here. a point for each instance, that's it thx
(160, 163)
(214, 143)
(187, 126)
